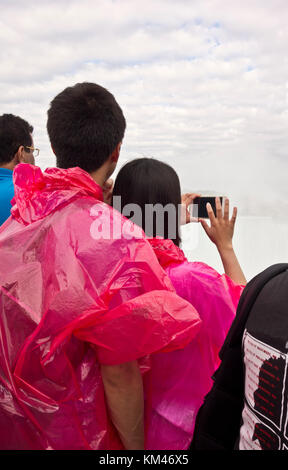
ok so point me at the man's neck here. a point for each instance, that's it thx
(99, 176)
(8, 166)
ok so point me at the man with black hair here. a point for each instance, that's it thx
(16, 146)
(83, 299)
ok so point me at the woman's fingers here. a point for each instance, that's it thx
(186, 201)
(108, 185)
(108, 190)
(210, 213)
(226, 209)
(188, 198)
(218, 208)
(234, 215)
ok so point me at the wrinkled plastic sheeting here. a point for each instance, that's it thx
(69, 303)
(185, 376)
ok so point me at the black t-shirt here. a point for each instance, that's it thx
(265, 349)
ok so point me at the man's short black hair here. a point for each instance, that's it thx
(14, 132)
(85, 124)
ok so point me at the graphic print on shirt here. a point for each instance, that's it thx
(255, 435)
(265, 379)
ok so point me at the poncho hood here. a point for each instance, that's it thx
(38, 193)
(166, 251)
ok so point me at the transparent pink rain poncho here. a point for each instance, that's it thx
(185, 375)
(70, 301)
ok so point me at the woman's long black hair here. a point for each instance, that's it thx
(148, 181)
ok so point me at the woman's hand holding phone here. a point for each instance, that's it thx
(221, 233)
(222, 228)
(186, 200)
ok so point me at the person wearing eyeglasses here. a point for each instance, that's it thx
(16, 146)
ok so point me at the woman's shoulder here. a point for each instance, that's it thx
(194, 268)
(200, 279)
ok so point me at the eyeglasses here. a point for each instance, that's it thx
(33, 150)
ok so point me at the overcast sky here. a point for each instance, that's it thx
(203, 84)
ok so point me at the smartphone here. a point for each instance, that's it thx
(199, 206)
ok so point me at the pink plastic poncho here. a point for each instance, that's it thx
(185, 375)
(70, 300)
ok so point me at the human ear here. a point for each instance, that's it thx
(19, 156)
(116, 153)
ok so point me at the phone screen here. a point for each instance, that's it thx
(199, 206)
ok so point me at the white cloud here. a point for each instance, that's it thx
(203, 84)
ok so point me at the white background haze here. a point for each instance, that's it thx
(203, 86)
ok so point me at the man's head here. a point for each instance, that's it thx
(86, 127)
(15, 140)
